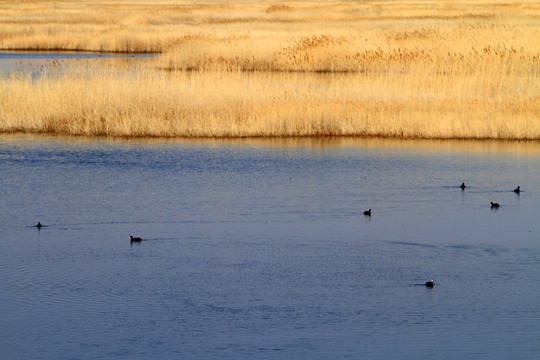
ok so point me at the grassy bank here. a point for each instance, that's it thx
(392, 69)
(236, 104)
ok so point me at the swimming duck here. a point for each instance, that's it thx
(517, 190)
(38, 225)
(429, 284)
(462, 186)
(494, 205)
(367, 212)
(135, 239)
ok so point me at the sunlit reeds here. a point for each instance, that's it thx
(391, 69)
(235, 104)
(162, 25)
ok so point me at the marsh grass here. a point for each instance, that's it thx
(232, 104)
(257, 69)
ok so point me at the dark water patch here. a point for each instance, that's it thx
(413, 244)
(462, 247)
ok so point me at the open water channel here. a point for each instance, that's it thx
(259, 249)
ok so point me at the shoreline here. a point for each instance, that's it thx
(272, 138)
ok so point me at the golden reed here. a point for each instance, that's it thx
(467, 70)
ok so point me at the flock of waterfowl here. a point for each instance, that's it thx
(429, 284)
(494, 205)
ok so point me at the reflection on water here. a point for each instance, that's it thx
(500, 147)
(459, 146)
(259, 249)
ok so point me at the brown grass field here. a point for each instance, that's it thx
(406, 69)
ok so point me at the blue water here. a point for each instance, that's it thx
(37, 62)
(49, 55)
(260, 249)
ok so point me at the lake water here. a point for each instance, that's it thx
(259, 249)
(39, 62)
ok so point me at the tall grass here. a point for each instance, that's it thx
(429, 69)
(235, 104)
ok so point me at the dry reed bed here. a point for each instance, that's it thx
(393, 69)
(161, 25)
(233, 104)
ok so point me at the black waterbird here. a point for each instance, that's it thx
(367, 212)
(494, 205)
(134, 239)
(462, 186)
(429, 284)
(517, 190)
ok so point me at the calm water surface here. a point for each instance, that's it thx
(260, 249)
(39, 62)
